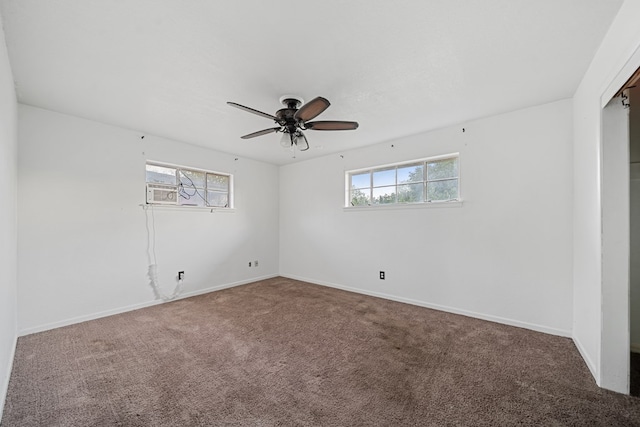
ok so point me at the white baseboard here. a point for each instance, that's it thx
(5, 386)
(587, 360)
(491, 318)
(92, 316)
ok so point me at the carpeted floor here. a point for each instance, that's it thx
(283, 352)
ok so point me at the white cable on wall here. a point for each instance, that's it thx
(151, 256)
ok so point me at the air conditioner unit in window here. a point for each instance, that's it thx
(162, 194)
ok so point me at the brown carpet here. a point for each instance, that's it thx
(283, 352)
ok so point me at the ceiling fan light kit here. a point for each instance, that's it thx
(294, 118)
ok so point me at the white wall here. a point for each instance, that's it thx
(615, 57)
(8, 220)
(505, 255)
(82, 245)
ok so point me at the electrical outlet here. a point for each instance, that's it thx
(249, 263)
(180, 275)
(255, 263)
(382, 275)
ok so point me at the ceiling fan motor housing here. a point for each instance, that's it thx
(286, 115)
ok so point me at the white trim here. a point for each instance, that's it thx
(394, 166)
(5, 386)
(488, 317)
(93, 316)
(587, 360)
(614, 175)
(392, 206)
(230, 192)
(406, 162)
(621, 77)
(210, 209)
(176, 166)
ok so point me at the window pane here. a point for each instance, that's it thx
(361, 180)
(384, 195)
(161, 174)
(447, 168)
(360, 197)
(190, 178)
(218, 199)
(384, 177)
(410, 173)
(191, 196)
(411, 193)
(442, 190)
(217, 182)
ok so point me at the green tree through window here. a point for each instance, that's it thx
(429, 180)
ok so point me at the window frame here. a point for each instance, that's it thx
(205, 190)
(395, 166)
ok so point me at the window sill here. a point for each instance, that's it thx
(146, 206)
(427, 205)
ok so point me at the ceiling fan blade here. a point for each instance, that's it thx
(311, 109)
(251, 110)
(331, 125)
(301, 141)
(260, 133)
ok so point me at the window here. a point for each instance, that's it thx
(177, 185)
(418, 181)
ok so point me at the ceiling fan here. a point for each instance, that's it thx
(294, 118)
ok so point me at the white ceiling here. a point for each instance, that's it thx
(167, 68)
